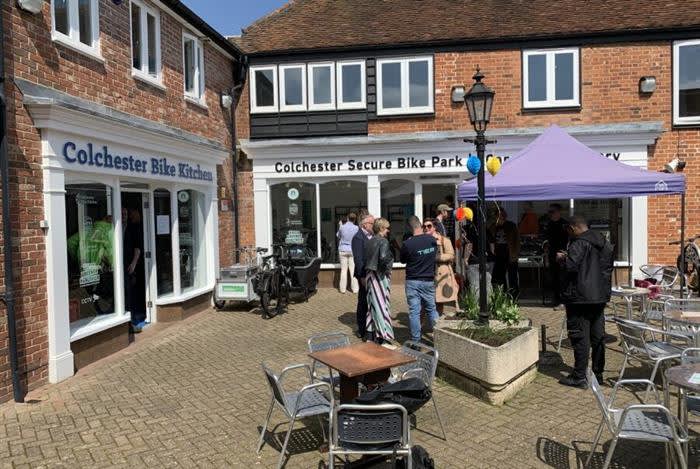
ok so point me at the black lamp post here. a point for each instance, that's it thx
(479, 100)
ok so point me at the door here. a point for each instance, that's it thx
(147, 255)
(137, 256)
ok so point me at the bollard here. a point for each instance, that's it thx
(544, 338)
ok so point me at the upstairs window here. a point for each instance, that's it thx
(686, 82)
(405, 86)
(75, 23)
(551, 78)
(292, 88)
(145, 41)
(351, 84)
(194, 68)
(321, 86)
(263, 89)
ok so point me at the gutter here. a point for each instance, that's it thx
(8, 296)
(239, 76)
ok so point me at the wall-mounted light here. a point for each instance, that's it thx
(674, 165)
(647, 85)
(32, 6)
(458, 92)
(226, 100)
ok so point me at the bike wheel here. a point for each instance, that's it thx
(282, 295)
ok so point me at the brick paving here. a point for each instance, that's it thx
(192, 395)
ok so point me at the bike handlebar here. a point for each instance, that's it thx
(689, 240)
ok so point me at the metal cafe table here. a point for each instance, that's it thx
(366, 362)
(629, 294)
(680, 376)
(684, 322)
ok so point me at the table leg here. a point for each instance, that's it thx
(628, 299)
(348, 389)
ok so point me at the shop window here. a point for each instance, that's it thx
(405, 85)
(337, 200)
(90, 242)
(263, 89)
(551, 78)
(321, 87)
(191, 218)
(397, 205)
(686, 82)
(294, 219)
(292, 88)
(351, 84)
(145, 41)
(193, 60)
(76, 24)
(164, 245)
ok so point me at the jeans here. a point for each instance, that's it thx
(347, 264)
(420, 293)
(586, 327)
(473, 279)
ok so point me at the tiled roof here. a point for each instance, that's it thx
(329, 24)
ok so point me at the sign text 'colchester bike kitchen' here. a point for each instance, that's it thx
(407, 162)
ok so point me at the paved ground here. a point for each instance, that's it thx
(192, 394)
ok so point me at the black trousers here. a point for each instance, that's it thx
(505, 273)
(555, 280)
(586, 327)
(362, 310)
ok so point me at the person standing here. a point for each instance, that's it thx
(471, 254)
(418, 253)
(359, 241)
(506, 251)
(378, 263)
(444, 212)
(587, 266)
(134, 282)
(557, 238)
(346, 233)
(445, 283)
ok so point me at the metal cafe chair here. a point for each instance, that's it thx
(424, 368)
(326, 341)
(641, 422)
(381, 429)
(300, 403)
(644, 343)
(684, 305)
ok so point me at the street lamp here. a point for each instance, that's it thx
(479, 100)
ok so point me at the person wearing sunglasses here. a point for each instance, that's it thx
(445, 282)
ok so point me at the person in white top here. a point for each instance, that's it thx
(347, 263)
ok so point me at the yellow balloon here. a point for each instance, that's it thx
(493, 165)
(468, 213)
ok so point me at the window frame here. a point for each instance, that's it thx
(340, 104)
(143, 73)
(310, 86)
(198, 97)
(677, 119)
(254, 108)
(292, 107)
(405, 108)
(72, 39)
(550, 70)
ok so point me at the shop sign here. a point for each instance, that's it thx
(401, 162)
(100, 157)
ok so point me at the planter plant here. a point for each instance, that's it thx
(491, 361)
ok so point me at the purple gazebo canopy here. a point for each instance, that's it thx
(557, 166)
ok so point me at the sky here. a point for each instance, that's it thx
(229, 16)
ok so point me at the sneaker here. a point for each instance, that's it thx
(559, 307)
(142, 324)
(136, 327)
(599, 378)
(574, 382)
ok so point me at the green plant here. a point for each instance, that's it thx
(469, 306)
(502, 307)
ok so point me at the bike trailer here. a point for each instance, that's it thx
(235, 283)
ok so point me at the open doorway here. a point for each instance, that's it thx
(134, 254)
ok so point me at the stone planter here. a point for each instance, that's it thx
(493, 374)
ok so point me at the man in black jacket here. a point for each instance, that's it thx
(587, 266)
(358, 254)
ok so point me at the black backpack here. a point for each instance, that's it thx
(411, 393)
(420, 459)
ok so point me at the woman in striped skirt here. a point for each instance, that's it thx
(378, 262)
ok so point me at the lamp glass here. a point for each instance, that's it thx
(479, 101)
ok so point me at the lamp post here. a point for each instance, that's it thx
(479, 100)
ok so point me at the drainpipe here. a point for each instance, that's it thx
(8, 297)
(239, 74)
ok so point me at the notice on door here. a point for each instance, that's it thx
(163, 224)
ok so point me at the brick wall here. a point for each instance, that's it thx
(30, 54)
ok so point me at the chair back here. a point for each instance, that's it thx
(633, 336)
(654, 271)
(426, 360)
(690, 356)
(370, 425)
(669, 277)
(275, 385)
(682, 304)
(602, 403)
(327, 341)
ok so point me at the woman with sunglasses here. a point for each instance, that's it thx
(445, 283)
(378, 262)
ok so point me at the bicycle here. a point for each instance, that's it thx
(274, 281)
(691, 252)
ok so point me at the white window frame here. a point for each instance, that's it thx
(72, 39)
(310, 93)
(551, 102)
(293, 107)
(198, 96)
(143, 73)
(677, 119)
(362, 104)
(254, 108)
(405, 108)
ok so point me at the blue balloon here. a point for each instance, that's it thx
(473, 164)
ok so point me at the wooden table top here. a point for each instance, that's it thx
(360, 359)
(679, 376)
(678, 316)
